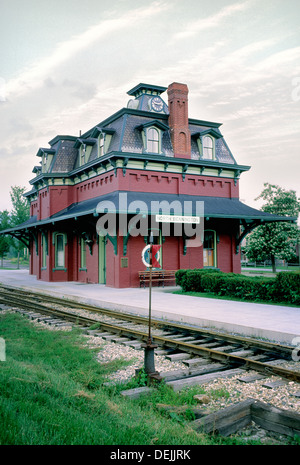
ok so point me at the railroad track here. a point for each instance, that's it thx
(206, 354)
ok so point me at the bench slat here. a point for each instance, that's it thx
(159, 276)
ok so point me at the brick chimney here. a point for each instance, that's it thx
(178, 119)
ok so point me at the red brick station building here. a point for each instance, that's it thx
(146, 159)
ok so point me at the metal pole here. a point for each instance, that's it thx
(150, 289)
(149, 364)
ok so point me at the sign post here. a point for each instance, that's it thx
(149, 364)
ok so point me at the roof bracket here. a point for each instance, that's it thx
(248, 227)
(236, 176)
(125, 163)
(113, 240)
(184, 169)
(113, 163)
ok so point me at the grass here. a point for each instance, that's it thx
(210, 295)
(51, 394)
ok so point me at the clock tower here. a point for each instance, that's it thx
(147, 98)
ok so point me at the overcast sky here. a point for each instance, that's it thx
(66, 65)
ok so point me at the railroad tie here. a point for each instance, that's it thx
(178, 357)
(180, 384)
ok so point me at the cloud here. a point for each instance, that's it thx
(277, 61)
(193, 27)
(36, 74)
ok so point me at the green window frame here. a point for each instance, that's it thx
(84, 153)
(101, 145)
(82, 254)
(46, 162)
(44, 251)
(60, 240)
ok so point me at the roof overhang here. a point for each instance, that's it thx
(42, 151)
(155, 123)
(143, 88)
(88, 141)
(131, 203)
(208, 132)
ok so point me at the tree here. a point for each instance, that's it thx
(4, 240)
(20, 211)
(275, 240)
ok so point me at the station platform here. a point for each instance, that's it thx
(272, 322)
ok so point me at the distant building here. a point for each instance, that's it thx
(94, 198)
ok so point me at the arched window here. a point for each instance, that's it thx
(208, 147)
(153, 140)
(209, 249)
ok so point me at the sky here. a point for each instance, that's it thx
(66, 65)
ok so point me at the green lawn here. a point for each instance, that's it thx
(51, 394)
(210, 295)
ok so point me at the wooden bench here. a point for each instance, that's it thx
(159, 277)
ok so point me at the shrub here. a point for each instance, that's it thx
(251, 288)
(287, 286)
(192, 280)
(179, 276)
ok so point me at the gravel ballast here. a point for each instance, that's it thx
(285, 396)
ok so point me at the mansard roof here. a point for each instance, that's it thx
(123, 131)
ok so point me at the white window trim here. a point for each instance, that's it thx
(146, 139)
(212, 148)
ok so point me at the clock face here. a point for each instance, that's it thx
(157, 104)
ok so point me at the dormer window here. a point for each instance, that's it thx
(208, 145)
(82, 154)
(85, 147)
(152, 134)
(101, 144)
(103, 136)
(153, 140)
(46, 159)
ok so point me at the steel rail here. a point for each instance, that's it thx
(226, 358)
(245, 341)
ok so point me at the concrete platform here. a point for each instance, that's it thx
(272, 322)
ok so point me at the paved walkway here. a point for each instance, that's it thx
(275, 323)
